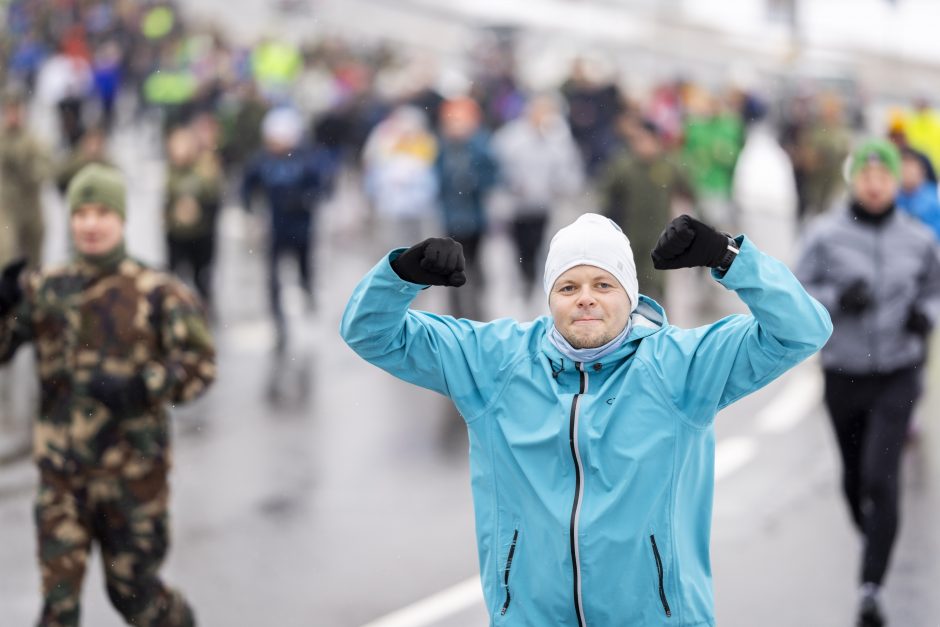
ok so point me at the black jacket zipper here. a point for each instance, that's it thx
(512, 551)
(659, 570)
(578, 492)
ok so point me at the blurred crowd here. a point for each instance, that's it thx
(275, 125)
(276, 128)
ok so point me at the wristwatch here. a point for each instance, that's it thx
(730, 255)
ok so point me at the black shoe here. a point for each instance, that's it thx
(869, 613)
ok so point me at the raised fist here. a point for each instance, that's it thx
(435, 261)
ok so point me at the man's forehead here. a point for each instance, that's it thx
(586, 271)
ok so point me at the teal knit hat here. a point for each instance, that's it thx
(876, 151)
(96, 183)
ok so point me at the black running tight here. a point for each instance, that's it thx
(870, 415)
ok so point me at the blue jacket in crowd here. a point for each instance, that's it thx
(466, 171)
(924, 204)
(292, 184)
(593, 482)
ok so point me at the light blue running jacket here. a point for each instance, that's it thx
(593, 482)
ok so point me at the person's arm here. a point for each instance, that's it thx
(740, 354)
(16, 309)
(460, 359)
(186, 367)
(925, 310)
(812, 272)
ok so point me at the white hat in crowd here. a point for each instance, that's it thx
(282, 126)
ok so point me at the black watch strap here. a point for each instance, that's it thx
(730, 255)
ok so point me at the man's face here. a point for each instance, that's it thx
(96, 230)
(875, 187)
(644, 144)
(589, 306)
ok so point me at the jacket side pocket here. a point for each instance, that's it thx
(659, 572)
(506, 571)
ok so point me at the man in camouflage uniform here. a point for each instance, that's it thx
(24, 165)
(115, 342)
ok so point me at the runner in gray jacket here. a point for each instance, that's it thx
(877, 271)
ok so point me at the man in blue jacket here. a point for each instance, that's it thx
(591, 431)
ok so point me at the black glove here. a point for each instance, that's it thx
(687, 243)
(435, 261)
(123, 396)
(10, 291)
(856, 298)
(917, 322)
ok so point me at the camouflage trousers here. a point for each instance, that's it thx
(128, 519)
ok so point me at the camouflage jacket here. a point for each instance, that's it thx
(122, 320)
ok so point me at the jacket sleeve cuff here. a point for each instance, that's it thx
(386, 274)
(747, 256)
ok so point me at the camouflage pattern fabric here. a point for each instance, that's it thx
(104, 476)
(128, 519)
(122, 321)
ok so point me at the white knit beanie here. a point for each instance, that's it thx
(592, 240)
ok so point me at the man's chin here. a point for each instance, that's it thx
(586, 342)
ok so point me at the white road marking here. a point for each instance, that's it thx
(435, 607)
(794, 403)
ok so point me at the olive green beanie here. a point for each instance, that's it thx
(96, 183)
(877, 150)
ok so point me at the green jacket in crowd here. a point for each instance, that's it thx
(638, 195)
(710, 151)
(193, 194)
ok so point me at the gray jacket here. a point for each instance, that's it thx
(900, 261)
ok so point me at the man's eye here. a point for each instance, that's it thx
(604, 286)
(567, 288)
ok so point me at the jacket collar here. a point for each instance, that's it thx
(648, 318)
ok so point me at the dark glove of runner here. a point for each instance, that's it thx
(856, 298)
(687, 243)
(10, 291)
(123, 396)
(435, 261)
(917, 322)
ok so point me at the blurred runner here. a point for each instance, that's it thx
(877, 271)
(466, 171)
(24, 166)
(191, 208)
(293, 179)
(399, 177)
(539, 165)
(638, 190)
(918, 191)
(116, 341)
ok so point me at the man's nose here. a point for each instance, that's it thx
(585, 297)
